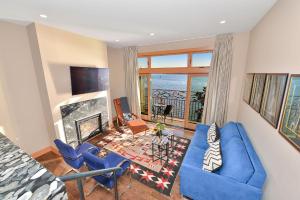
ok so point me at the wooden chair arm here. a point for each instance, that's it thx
(121, 120)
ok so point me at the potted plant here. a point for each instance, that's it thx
(159, 127)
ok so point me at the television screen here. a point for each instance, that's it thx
(88, 79)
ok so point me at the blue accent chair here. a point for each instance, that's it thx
(74, 156)
(241, 176)
(110, 160)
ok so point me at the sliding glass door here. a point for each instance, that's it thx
(195, 99)
(143, 82)
(169, 89)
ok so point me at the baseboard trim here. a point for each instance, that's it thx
(44, 151)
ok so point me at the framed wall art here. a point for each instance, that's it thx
(248, 87)
(273, 97)
(290, 121)
(257, 91)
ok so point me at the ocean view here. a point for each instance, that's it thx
(176, 82)
(171, 89)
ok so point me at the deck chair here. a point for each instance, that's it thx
(127, 118)
(168, 111)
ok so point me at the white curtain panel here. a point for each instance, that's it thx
(132, 79)
(216, 99)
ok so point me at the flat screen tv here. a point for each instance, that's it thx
(88, 79)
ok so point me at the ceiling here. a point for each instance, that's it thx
(132, 21)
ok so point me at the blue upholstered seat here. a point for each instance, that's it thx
(241, 176)
(110, 160)
(237, 164)
(74, 156)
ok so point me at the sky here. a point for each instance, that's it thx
(178, 60)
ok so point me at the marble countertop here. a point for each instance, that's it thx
(22, 177)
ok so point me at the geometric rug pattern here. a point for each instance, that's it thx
(157, 175)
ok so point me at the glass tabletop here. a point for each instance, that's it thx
(160, 140)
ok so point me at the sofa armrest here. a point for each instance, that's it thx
(198, 184)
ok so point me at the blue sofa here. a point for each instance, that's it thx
(241, 176)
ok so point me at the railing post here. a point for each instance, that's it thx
(116, 186)
(80, 188)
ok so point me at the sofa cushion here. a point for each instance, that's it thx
(227, 132)
(194, 157)
(236, 161)
(200, 137)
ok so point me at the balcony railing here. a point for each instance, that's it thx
(177, 99)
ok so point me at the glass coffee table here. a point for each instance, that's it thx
(170, 135)
(160, 148)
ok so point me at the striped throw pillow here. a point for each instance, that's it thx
(212, 160)
(213, 133)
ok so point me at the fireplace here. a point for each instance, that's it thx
(88, 127)
(79, 111)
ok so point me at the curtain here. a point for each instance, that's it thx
(217, 93)
(132, 79)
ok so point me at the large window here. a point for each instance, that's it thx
(177, 78)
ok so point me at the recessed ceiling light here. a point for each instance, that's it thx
(117, 40)
(223, 22)
(151, 34)
(43, 16)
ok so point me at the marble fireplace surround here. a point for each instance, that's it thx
(88, 127)
(76, 111)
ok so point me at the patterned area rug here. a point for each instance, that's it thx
(157, 175)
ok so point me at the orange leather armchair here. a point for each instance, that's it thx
(136, 124)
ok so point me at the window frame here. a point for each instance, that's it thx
(189, 70)
(174, 70)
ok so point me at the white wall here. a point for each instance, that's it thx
(240, 49)
(274, 48)
(117, 74)
(21, 111)
(58, 50)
